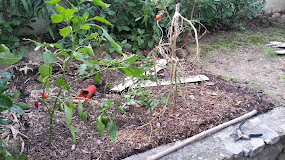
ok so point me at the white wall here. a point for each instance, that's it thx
(274, 6)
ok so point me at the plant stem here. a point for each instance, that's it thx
(50, 129)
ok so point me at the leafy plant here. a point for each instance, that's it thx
(76, 20)
(221, 13)
(18, 14)
(7, 97)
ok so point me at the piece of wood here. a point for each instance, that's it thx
(160, 64)
(191, 79)
(202, 135)
(281, 45)
(273, 43)
(280, 52)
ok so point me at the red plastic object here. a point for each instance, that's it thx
(87, 93)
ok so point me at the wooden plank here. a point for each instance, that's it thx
(280, 52)
(160, 64)
(191, 79)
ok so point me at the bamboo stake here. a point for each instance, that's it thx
(201, 135)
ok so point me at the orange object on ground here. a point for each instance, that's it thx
(87, 93)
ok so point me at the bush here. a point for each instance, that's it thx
(221, 13)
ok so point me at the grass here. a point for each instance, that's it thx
(226, 42)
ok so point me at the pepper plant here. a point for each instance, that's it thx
(75, 20)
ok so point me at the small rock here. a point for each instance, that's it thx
(84, 151)
(212, 61)
(192, 97)
(210, 83)
(276, 15)
(98, 142)
(73, 147)
(214, 94)
(157, 124)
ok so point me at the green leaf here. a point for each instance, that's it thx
(69, 109)
(150, 43)
(82, 68)
(22, 157)
(17, 109)
(79, 56)
(113, 43)
(45, 71)
(132, 4)
(61, 83)
(99, 126)
(100, 19)
(112, 129)
(99, 3)
(69, 13)
(60, 10)
(2, 122)
(51, 32)
(88, 49)
(6, 57)
(53, 1)
(56, 18)
(65, 31)
(120, 109)
(48, 57)
(22, 105)
(97, 78)
(15, 95)
(85, 27)
(3, 48)
(131, 59)
(80, 108)
(91, 36)
(3, 83)
(83, 116)
(64, 54)
(126, 28)
(26, 6)
(85, 16)
(140, 41)
(5, 101)
(135, 71)
(47, 83)
(137, 19)
(73, 135)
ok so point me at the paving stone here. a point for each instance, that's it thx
(257, 146)
(255, 125)
(275, 119)
(281, 156)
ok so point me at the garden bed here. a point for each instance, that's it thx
(207, 104)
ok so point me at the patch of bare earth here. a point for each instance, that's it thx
(198, 108)
(251, 65)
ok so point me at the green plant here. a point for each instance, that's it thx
(18, 14)
(104, 120)
(221, 13)
(7, 97)
(76, 20)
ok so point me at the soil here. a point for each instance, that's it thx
(200, 106)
